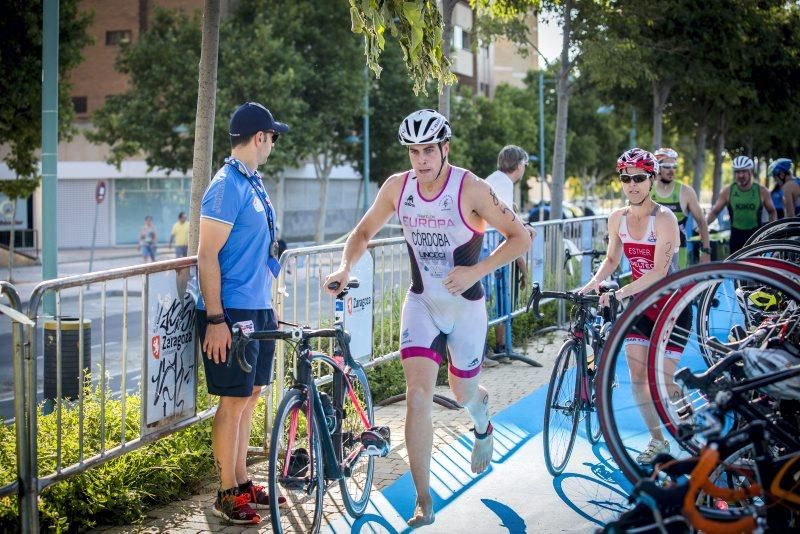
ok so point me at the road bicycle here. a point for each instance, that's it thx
(571, 391)
(324, 430)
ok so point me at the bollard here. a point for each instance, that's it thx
(70, 357)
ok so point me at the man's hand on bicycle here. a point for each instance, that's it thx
(217, 342)
(342, 276)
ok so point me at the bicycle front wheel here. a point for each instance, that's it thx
(562, 409)
(357, 416)
(295, 466)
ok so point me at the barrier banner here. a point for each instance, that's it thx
(358, 310)
(169, 370)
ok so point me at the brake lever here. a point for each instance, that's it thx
(239, 341)
(536, 296)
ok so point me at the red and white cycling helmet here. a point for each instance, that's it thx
(665, 153)
(639, 158)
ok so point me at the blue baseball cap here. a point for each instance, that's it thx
(252, 117)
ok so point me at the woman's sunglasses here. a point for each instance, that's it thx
(637, 178)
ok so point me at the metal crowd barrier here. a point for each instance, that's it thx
(298, 298)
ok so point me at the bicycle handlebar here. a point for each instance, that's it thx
(537, 294)
(594, 253)
(351, 284)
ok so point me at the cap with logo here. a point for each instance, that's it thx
(252, 117)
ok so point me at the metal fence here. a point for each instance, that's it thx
(118, 303)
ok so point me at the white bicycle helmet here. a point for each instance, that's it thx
(743, 163)
(424, 127)
(760, 362)
(664, 153)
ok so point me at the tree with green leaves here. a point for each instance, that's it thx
(315, 87)
(20, 114)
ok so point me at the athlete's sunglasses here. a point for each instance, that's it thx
(669, 166)
(637, 178)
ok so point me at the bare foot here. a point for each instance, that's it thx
(423, 515)
(482, 450)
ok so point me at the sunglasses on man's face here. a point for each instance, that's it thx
(637, 178)
(669, 166)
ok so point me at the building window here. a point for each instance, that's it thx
(118, 37)
(458, 36)
(465, 40)
(79, 104)
(461, 39)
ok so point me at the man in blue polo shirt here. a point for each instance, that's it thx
(236, 261)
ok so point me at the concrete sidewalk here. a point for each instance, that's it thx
(506, 384)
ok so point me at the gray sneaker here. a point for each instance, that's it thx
(654, 448)
(489, 362)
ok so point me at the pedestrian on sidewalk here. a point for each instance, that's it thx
(180, 236)
(511, 164)
(147, 240)
(444, 211)
(237, 260)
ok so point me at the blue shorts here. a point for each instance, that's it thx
(232, 381)
(148, 251)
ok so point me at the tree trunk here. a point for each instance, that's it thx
(562, 114)
(719, 146)
(660, 95)
(11, 240)
(701, 133)
(204, 122)
(447, 34)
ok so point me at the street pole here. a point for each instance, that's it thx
(541, 145)
(366, 140)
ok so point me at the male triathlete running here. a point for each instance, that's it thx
(443, 210)
(648, 235)
(781, 170)
(744, 200)
(680, 199)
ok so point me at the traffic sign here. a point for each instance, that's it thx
(100, 191)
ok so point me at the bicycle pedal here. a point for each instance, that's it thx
(376, 441)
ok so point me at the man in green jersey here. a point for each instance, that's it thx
(681, 199)
(744, 200)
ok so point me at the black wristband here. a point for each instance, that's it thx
(215, 319)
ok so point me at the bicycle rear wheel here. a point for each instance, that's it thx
(357, 466)
(562, 409)
(296, 466)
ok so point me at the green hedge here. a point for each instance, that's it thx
(118, 491)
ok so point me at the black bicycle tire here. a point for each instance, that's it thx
(294, 399)
(357, 507)
(562, 362)
(766, 231)
(593, 435)
(631, 470)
